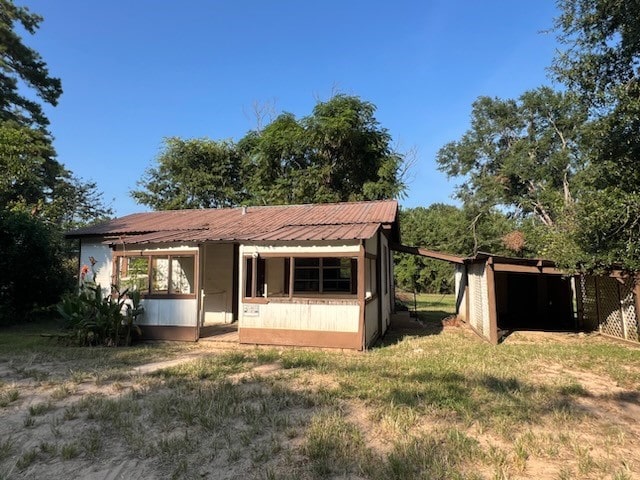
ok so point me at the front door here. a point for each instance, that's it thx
(217, 284)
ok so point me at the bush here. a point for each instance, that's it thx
(32, 270)
(94, 320)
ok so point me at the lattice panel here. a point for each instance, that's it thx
(628, 309)
(589, 305)
(477, 298)
(609, 307)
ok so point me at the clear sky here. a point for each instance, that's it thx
(136, 71)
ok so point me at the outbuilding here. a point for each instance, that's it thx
(310, 275)
(496, 295)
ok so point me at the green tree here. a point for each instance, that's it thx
(600, 64)
(338, 153)
(21, 64)
(39, 197)
(521, 155)
(195, 173)
(447, 229)
(32, 270)
(352, 150)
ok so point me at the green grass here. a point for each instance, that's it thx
(25, 350)
(445, 405)
(430, 307)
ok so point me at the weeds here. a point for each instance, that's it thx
(435, 406)
(6, 448)
(332, 444)
(40, 409)
(9, 396)
(69, 451)
(62, 391)
(27, 459)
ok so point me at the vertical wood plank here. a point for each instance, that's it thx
(491, 298)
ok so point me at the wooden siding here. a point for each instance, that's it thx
(323, 316)
(303, 338)
(386, 290)
(371, 321)
(169, 312)
(371, 245)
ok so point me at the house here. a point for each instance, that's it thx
(311, 275)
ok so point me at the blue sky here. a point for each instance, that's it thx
(134, 72)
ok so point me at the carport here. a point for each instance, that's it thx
(496, 295)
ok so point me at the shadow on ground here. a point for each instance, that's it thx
(404, 325)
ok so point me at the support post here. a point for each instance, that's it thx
(491, 298)
(361, 296)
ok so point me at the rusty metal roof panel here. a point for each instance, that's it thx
(285, 222)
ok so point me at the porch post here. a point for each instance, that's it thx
(379, 281)
(361, 296)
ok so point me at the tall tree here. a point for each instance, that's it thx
(195, 173)
(353, 150)
(601, 64)
(338, 153)
(519, 154)
(23, 64)
(448, 229)
(39, 197)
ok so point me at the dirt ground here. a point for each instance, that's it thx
(41, 420)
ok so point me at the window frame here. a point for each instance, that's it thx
(259, 269)
(150, 256)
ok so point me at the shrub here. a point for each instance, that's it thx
(97, 320)
(32, 270)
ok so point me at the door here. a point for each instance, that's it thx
(217, 284)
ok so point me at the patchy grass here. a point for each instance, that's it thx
(443, 405)
(431, 307)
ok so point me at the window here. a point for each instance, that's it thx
(133, 274)
(254, 282)
(160, 275)
(336, 275)
(182, 274)
(306, 276)
(157, 275)
(271, 276)
(325, 275)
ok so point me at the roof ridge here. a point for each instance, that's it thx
(284, 205)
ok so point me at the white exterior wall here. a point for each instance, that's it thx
(371, 245)
(371, 321)
(330, 317)
(478, 299)
(156, 247)
(104, 263)
(460, 282)
(182, 312)
(380, 283)
(326, 314)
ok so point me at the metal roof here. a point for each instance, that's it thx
(334, 221)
